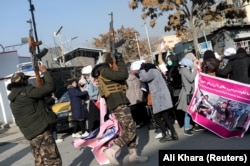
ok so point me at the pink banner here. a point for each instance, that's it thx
(221, 106)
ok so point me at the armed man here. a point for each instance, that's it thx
(112, 86)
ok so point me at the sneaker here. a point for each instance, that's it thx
(76, 135)
(198, 128)
(158, 136)
(59, 140)
(85, 134)
(188, 132)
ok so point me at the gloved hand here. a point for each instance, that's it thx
(118, 56)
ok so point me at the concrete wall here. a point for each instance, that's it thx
(6, 116)
(8, 63)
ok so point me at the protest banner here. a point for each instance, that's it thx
(221, 105)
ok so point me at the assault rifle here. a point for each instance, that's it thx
(113, 45)
(36, 58)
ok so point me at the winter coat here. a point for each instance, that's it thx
(237, 68)
(188, 77)
(25, 102)
(134, 92)
(79, 111)
(120, 76)
(161, 98)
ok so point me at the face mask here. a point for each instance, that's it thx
(170, 63)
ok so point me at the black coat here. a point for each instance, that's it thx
(30, 114)
(79, 111)
(237, 68)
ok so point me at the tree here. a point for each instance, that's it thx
(132, 49)
(186, 18)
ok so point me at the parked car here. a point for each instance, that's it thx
(63, 112)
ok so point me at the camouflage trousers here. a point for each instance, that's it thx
(45, 150)
(125, 119)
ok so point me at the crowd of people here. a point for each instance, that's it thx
(126, 89)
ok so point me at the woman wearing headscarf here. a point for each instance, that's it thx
(161, 99)
(210, 63)
(188, 73)
(237, 68)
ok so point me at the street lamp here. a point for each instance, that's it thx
(58, 33)
(69, 40)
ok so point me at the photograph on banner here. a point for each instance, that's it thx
(221, 106)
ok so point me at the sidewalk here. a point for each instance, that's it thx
(10, 133)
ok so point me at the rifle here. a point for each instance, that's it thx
(113, 45)
(36, 58)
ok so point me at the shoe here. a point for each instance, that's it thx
(188, 132)
(59, 140)
(165, 137)
(111, 154)
(159, 135)
(198, 128)
(135, 158)
(175, 137)
(85, 134)
(138, 126)
(76, 135)
(157, 130)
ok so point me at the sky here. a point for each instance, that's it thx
(84, 19)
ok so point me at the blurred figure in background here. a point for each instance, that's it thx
(237, 68)
(79, 111)
(136, 97)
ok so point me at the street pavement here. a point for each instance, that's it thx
(15, 150)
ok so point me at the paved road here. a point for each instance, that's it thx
(15, 150)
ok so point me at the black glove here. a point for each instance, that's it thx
(118, 56)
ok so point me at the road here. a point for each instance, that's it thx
(15, 150)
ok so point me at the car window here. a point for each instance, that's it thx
(64, 98)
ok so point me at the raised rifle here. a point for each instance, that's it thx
(113, 45)
(36, 58)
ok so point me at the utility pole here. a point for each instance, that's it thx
(149, 45)
(137, 45)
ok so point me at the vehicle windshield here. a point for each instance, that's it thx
(64, 98)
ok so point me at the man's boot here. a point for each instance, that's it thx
(111, 154)
(134, 158)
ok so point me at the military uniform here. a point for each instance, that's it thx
(112, 86)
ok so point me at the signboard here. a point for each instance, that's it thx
(205, 46)
(221, 105)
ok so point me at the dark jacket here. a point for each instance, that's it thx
(79, 112)
(118, 98)
(27, 109)
(237, 68)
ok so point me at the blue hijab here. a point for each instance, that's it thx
(186, 62)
